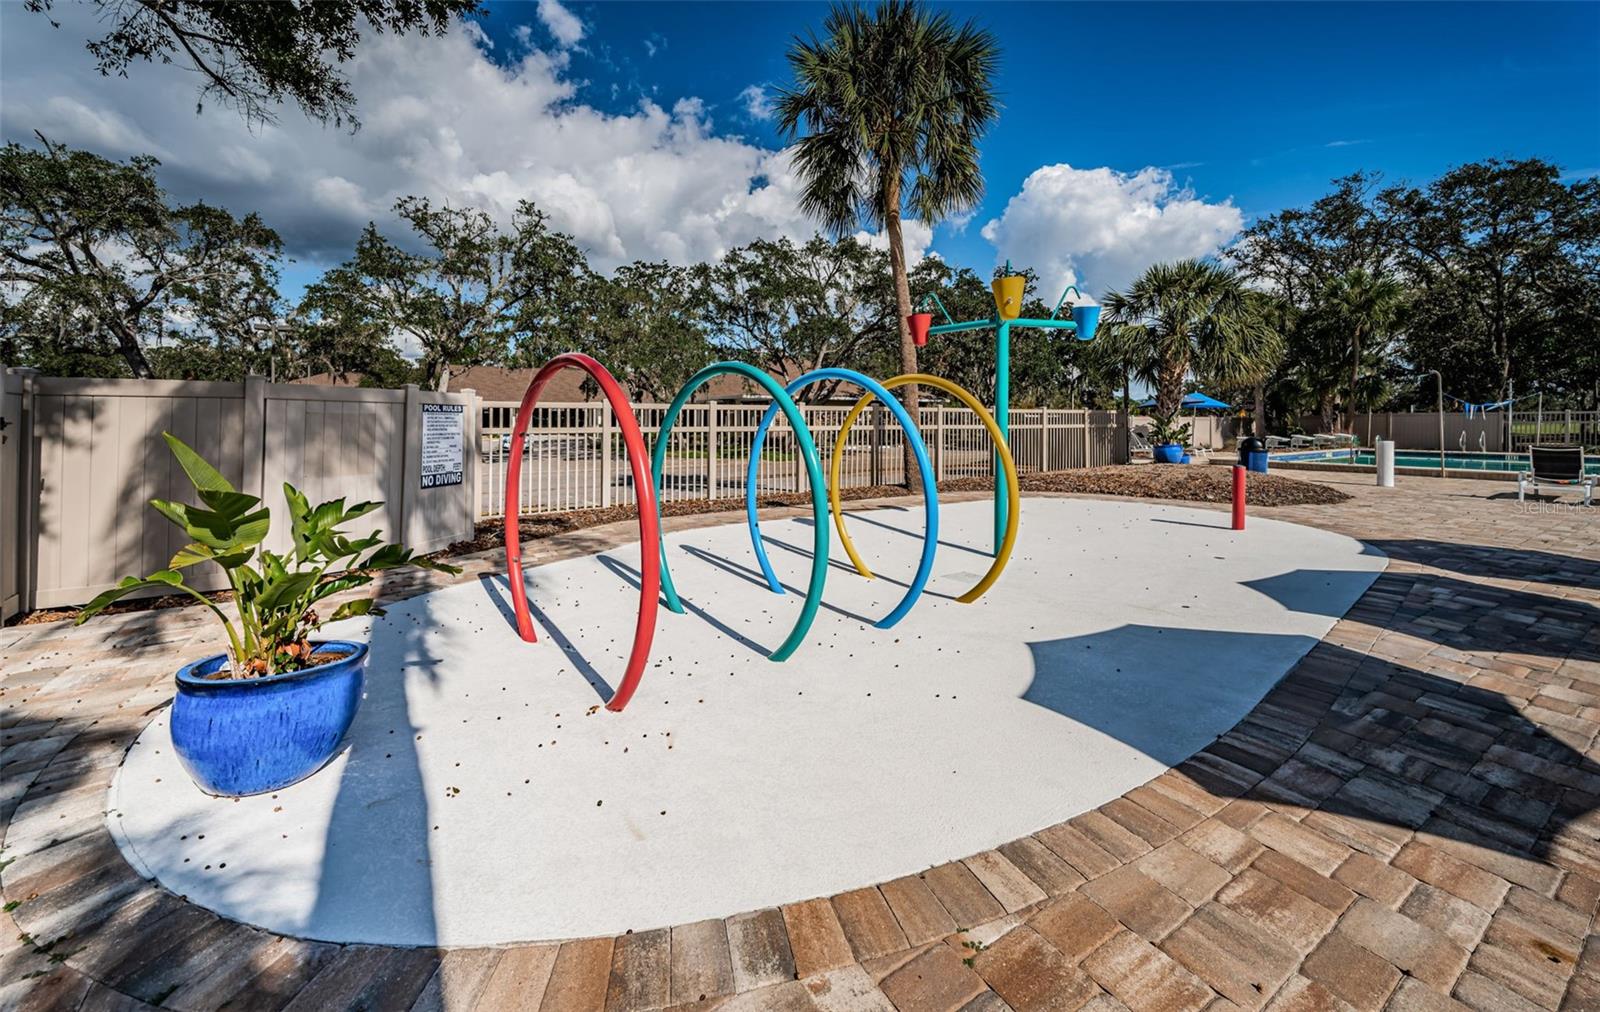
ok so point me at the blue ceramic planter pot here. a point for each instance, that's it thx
(250, 735)
(1168, 453)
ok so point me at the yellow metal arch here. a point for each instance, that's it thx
(1007, 464)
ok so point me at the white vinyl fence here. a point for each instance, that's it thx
(574, 457)
(14, 393)
(1489, 432)
(81, 460)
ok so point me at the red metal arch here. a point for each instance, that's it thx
(649, 527)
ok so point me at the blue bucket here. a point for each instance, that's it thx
(1087, 318)
(239, 736)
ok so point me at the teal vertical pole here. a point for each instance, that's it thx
(1002, 418)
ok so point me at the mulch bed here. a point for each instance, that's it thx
(1194, 483)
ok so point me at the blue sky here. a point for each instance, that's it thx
(1130, 132)
(1264, 103)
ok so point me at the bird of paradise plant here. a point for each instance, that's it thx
(276, 595)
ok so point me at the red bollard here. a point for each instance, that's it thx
(1238, 497)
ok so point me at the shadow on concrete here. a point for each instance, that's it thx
(864, 516)
(1388, 747)
(1313, 591)
(362, 887)
(497, 587)
(1495, 563)
(1463, 616)
(632, 577)
(807, 554)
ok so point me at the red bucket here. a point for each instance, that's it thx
(919, 323)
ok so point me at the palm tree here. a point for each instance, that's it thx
(1365, 307)
(886, 111)
(1192, 316)
(1278, 315)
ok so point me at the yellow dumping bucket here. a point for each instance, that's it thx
(1008, 295)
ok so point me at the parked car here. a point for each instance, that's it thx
(501, 447)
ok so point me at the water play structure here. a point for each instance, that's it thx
(1009, 290)
(655, 576)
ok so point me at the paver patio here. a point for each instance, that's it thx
(1409, 820)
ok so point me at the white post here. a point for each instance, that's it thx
(255, 436)
(1088, 437)
(1385, 461)
(608, 475)
(711, 449)
(470, 426)
(411, 461)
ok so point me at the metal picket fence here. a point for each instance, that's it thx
(574, 457)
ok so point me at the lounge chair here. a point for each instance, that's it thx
(1278, 442)
(1335, 440)
(1300, 442)
(1557, 466)
(1137, 444)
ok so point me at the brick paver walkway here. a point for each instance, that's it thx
(1408, 821)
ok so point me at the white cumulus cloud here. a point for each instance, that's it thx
(564, 26)
(916, 236)
(757, 103)
(1098, 228)
(440, 119)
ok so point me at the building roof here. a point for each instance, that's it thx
(500, 383)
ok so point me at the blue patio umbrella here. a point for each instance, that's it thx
(1194, 401)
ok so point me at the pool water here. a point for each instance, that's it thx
(1421, 458)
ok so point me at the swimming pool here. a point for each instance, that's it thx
(1504, 463)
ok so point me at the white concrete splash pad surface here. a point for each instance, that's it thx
(482, 797)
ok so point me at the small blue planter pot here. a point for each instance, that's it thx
(240, 736)
(1168, 453)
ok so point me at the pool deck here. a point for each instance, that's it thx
(1409, 820)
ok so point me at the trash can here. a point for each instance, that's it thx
(1253, 454)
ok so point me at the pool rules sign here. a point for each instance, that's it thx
(442, 429)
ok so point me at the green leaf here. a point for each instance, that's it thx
(282, 591)
(326, 515)
(299, 519)
(338, 584)
(350, 609)
(360, 509)
(224, 534)
(387, 557)
(164, 580)
(191, 555)
(203, 475)
(229, 504)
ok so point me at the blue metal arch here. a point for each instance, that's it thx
(924, 466)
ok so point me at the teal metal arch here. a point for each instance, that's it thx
(819, 493)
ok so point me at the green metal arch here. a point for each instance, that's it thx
(819, 494)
